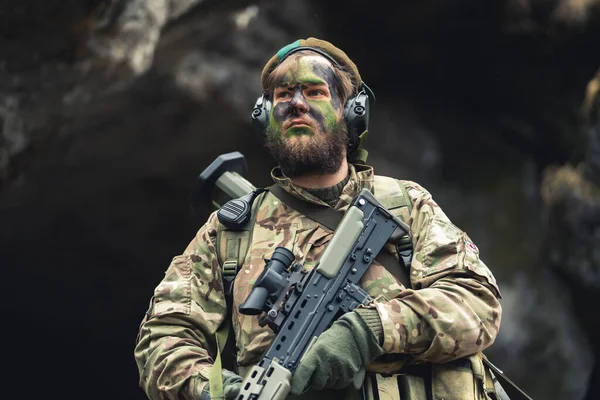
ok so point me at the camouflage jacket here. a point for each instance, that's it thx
(451, 311)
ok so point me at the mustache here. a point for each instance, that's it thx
(291, 121)
(321, 155)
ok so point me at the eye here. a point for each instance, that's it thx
(316, 93)
(283, 95)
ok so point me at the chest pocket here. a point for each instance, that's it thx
(311, 244)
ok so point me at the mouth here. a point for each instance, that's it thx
(298, 122)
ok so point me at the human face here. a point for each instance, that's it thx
(306, 133)
(305, 101)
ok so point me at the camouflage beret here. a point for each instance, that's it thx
(319, 46)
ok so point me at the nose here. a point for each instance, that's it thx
(298, 104)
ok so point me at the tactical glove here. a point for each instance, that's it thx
(231, 386)
(340, 352)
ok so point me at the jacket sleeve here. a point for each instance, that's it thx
(453, 309)
(175, 346)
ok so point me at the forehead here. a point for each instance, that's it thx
(308, 69)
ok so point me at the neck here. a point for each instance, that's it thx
(322, 181)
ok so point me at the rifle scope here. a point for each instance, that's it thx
(269, 284)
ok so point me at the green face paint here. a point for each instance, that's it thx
(274, 127)
(319, 112)
(299, 131)
(306, 135)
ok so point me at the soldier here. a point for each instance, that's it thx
(429, 331)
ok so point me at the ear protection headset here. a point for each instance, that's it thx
(356, 110)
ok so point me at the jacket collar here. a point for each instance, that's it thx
(361, 177)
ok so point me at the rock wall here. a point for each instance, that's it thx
(109, 109)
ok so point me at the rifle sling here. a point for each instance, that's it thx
(330, 218)
(512, 390)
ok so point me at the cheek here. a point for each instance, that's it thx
(279, 112)
(336, 103)
(275, 121)
(325, 113)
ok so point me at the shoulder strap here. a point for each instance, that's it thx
(393, 195)
(407, 200)
(215, 378)
(331, 218)
(232, 246)
(405, 247)
(321, 214)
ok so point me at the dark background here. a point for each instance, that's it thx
(99, 150)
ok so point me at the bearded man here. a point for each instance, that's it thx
(418, 339)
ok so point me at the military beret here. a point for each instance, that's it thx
(319, 46)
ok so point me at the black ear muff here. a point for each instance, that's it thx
(260, 115)
(356, 113)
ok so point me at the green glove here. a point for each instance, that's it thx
(340, 352)
(231, 386)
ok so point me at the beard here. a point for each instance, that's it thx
(314, 155)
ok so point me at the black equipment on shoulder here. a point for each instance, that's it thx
(236, 212)
(357, 109)
(222, 181)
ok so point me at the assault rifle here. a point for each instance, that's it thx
(299, 305)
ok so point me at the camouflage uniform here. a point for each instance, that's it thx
(452, 310)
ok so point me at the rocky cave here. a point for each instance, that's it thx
(109, 110)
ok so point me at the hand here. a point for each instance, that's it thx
(231, 386)
(337, 356)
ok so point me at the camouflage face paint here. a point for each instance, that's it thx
(316, 143)
(299, 131)
(323, 111)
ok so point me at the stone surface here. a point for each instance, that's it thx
(110, 109)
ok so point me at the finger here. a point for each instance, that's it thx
(302, 378)
(320, 380)
(231, 391)
(337, 384)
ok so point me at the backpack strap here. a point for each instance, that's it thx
(324, 215)
(405, 247)
(232, 246)
(215, 378)
(392, 194)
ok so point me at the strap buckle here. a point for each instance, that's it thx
(229, 270)
(405, 250)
